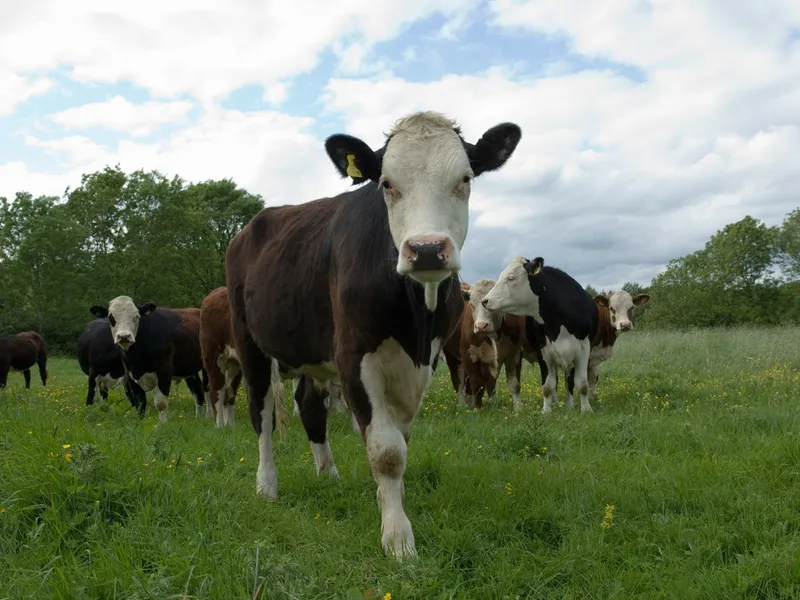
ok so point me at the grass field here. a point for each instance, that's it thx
(684, 483)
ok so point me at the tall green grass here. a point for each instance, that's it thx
(684, 483)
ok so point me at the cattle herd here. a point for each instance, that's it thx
(356, 297)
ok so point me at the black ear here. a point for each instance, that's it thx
(101, 312)
(353, 158)
(494, 148)
(146, 308)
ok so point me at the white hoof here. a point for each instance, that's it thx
(397, 538)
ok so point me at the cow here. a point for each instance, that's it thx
(613, 318)
(100, 359)
(159, 345)
(19, 352)
(489, 341)
(560, 321)
(373, 293)
(220, 360)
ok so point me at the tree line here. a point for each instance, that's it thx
(140, 234)
(746, 274)
(162, 239)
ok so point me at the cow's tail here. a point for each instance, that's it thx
(276, 383)
(42, 362)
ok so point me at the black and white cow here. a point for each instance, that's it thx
(561, 319)
(373, 293)
(101, 361)
(160, 345)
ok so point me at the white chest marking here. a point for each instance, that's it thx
(564, 350)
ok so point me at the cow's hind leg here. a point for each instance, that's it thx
(91, 389)
(570, 389)
(195, 385)
(582, 376)
(257, 373)
(27, 375)
(513, 372)
(42, 363)
(549, 383)
(311, 396)
(230, 396)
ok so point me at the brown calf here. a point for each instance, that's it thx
(20, 352)
(485, 342)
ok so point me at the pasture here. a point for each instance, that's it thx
(684, 484)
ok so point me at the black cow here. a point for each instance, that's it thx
(101, 361)
(362, 286)
(159, 345)
(561, 320)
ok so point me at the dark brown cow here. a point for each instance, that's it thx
(159, 345)
(19, 352)
(362, 287)
(221, 361)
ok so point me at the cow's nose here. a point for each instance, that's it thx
(625, 325)
(428, 253)
(125, 338)
(481, 325)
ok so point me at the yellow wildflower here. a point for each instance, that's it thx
(608, 517)
(387, 596)
(241, 459)
(68, 457)
(316, 516)
(65, 446)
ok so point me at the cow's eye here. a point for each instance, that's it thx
(111, 320)
(466, 179)
(511, 278)
(386, 185)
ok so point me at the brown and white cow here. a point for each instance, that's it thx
(486, 342)
(160, 345)
(613, 317)
(19, 352)
(221, 361)
(362, 287)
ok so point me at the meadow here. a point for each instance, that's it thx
(684, 483)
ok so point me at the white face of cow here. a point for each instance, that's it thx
(512, 293)
(426, 182)
(425, 174)
(485, 320)
(123, 316)
(620, 304)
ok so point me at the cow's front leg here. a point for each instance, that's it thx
(549, 383)
(386, 390)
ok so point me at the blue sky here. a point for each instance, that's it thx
(633, 127)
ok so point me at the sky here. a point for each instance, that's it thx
(646, 125)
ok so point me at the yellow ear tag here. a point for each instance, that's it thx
(536, 272)
(352, 169)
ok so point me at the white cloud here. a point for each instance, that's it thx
(205, 48)
(119, 114)
(266, 152)
(16, 89)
